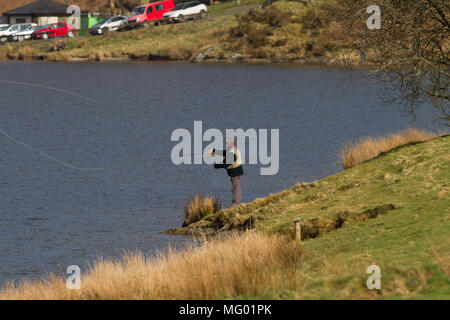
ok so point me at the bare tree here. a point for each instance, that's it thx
(112, 7)
(410, 52)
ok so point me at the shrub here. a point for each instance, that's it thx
(254, 28)
(15, 52)
(271, 16)
(58, 56)
(99, 55)
(25, 52)
(199, 207)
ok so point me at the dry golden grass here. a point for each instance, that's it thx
(11, 52)
(99, 55)
(242, 265)
(368, 148)
(199, 207)
(59, 56)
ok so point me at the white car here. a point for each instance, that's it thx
(3, 27)
(23, 34)
(186, 10)
(7, 31)
(108, 24)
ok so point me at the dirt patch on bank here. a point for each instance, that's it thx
(311, 228)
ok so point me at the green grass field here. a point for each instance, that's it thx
(410, 243)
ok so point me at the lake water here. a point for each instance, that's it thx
(53, 216)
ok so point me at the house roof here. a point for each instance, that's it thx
(40, 7)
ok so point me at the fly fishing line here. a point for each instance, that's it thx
(71, 166)
(50, 88)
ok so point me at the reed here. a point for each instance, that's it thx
(370, 147)
(199, 207)
(239, 265)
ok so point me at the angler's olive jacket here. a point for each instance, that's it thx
(234, 169)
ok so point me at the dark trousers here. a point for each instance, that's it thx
(236, 189)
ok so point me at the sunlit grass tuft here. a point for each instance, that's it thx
(369, 147)
(199, 207)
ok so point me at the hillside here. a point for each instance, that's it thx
(286, 31)
(392, 211)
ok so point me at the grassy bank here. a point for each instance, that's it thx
(392, 211)
(283, 31)
(176, 42)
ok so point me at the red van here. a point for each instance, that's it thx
(150, 12)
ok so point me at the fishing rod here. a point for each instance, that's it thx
(63, 163)
(51, 88)
(74, 167)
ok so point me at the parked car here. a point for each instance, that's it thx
(3, 27)
(108, 24)
(24, 33)
(186, 10)
(53, 30)
(151, 12)
(5, 32)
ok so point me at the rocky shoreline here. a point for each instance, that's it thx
(57, 53)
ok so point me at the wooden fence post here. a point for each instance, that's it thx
(298, 230)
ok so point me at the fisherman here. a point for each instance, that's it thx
(232, 161)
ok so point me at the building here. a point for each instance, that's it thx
(41, 12)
